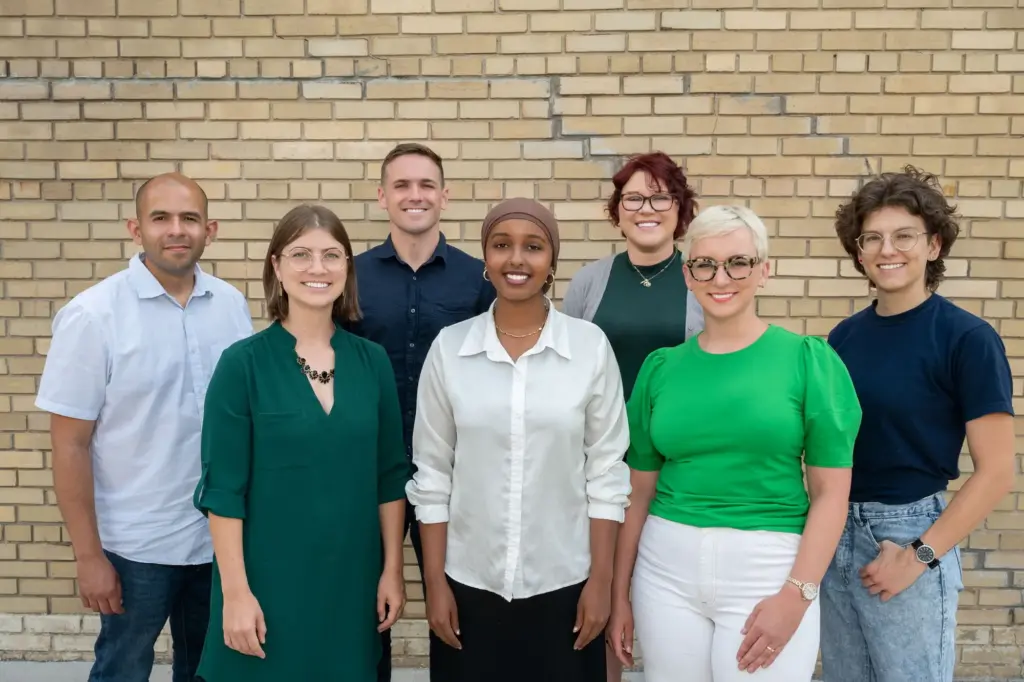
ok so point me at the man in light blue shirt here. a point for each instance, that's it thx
(125, 381)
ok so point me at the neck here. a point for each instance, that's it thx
(178, 286)
(520, 317)
(638, 256)
(415, 249)
(896, 302)
(309, 325)
(733, 333)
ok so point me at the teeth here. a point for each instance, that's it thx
(647, 224)
(415, 210)
(317, 285)
(516, 278)
(890, 266)
(722, 297)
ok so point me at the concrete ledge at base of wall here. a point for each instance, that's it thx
(21, 671)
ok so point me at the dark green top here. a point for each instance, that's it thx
(307, 485)
(730, 432)
(638, 320)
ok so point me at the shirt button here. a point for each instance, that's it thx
(412, 345)
(412, 310)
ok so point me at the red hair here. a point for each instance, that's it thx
(657, 166)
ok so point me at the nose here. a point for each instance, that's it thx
(175, 226)
(317, 266)
(414, 193)
(721, 278)
(887, 246)
(647, 208)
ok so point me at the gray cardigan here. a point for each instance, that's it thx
(587, 289)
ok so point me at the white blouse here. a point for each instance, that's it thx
(517, 457)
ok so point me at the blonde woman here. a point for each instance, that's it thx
(722, 545)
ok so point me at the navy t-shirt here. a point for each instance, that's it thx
(920, 376)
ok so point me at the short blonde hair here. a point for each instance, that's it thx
(715, 221)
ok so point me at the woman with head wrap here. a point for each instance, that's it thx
(520, 484)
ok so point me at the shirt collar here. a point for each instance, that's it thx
(147, 286)
(483, 336)
(387, 250)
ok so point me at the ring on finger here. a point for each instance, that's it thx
(770, 649)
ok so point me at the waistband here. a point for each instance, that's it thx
(879, 510)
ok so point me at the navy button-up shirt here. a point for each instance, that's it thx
(403, 310)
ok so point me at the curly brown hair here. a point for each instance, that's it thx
(916, 191)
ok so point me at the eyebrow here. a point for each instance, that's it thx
(190, 214)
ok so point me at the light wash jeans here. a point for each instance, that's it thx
(911, 637)
(693, 589)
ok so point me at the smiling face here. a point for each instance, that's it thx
(413, 194)
(895, 249)
(648, 215)
(171, 226)
(720, 295)
(312, 269)
(518, 259)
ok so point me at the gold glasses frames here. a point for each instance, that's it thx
(737, 267)
(301, 260)
(902, 240)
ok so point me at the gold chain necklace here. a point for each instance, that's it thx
(521, 336)
(646, 281)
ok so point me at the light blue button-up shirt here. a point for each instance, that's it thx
(129, 356)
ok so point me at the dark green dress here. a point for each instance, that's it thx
(639, 320)
(307, 485)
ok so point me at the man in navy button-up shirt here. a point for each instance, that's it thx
(412, 286)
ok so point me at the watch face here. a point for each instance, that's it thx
(810, 591)
(925, 554)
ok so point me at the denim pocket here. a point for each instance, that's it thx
(901, 530)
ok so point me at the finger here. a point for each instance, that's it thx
(762, 659)
(393, 611)
(627, 639)
(90, 603)
(754, 654)
(454, 619)
(261, 628)
(108, 606)
(771, 657)
(253, 644)
(447, 635)
(382, 601)
(588, 632)
(579, 617)
(886, 595)
(750, 619)
(753, 635)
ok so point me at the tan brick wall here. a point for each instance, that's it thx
(773, 103)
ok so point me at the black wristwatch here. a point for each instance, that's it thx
(925, 554)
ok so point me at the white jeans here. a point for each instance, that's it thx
(693, 589)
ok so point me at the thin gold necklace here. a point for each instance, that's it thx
(646, 281)
(521, 336)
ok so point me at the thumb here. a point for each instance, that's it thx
(455, 619)
(261, 627)
(579, 616)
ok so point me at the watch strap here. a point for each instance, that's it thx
(917, 544)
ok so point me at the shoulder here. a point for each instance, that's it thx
(457, 255)
(96, 305)
(958, 322)
(845, 327)
(595, 269)
(223, 290)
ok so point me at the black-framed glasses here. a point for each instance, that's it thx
(902, 240)
(659, 202)
(737, 267)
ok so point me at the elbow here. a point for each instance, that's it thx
(998, 475)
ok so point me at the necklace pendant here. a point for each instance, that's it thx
(646, 283)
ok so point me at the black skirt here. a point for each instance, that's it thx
(525, 639)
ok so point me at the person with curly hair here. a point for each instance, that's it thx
(928, 374)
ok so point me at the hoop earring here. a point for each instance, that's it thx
(551, 276)
(485, 275)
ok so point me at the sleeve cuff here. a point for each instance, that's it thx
(606, 510)
(391, 492)
(222, 503)
(432, 513)
(63, 410)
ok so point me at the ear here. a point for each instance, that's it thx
(444, 197)
(276, 264)
(211, 231)
(134, 229)
(766, 272)
(380, 198)
(934, 246)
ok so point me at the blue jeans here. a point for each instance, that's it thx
(911, 637)
(152, 593)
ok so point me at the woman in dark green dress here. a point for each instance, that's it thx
(303, 474)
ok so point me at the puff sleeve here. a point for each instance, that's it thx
(642, 454)
(832, 412)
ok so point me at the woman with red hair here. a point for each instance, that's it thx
(638, 296)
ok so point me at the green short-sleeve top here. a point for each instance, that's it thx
(730, 432)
